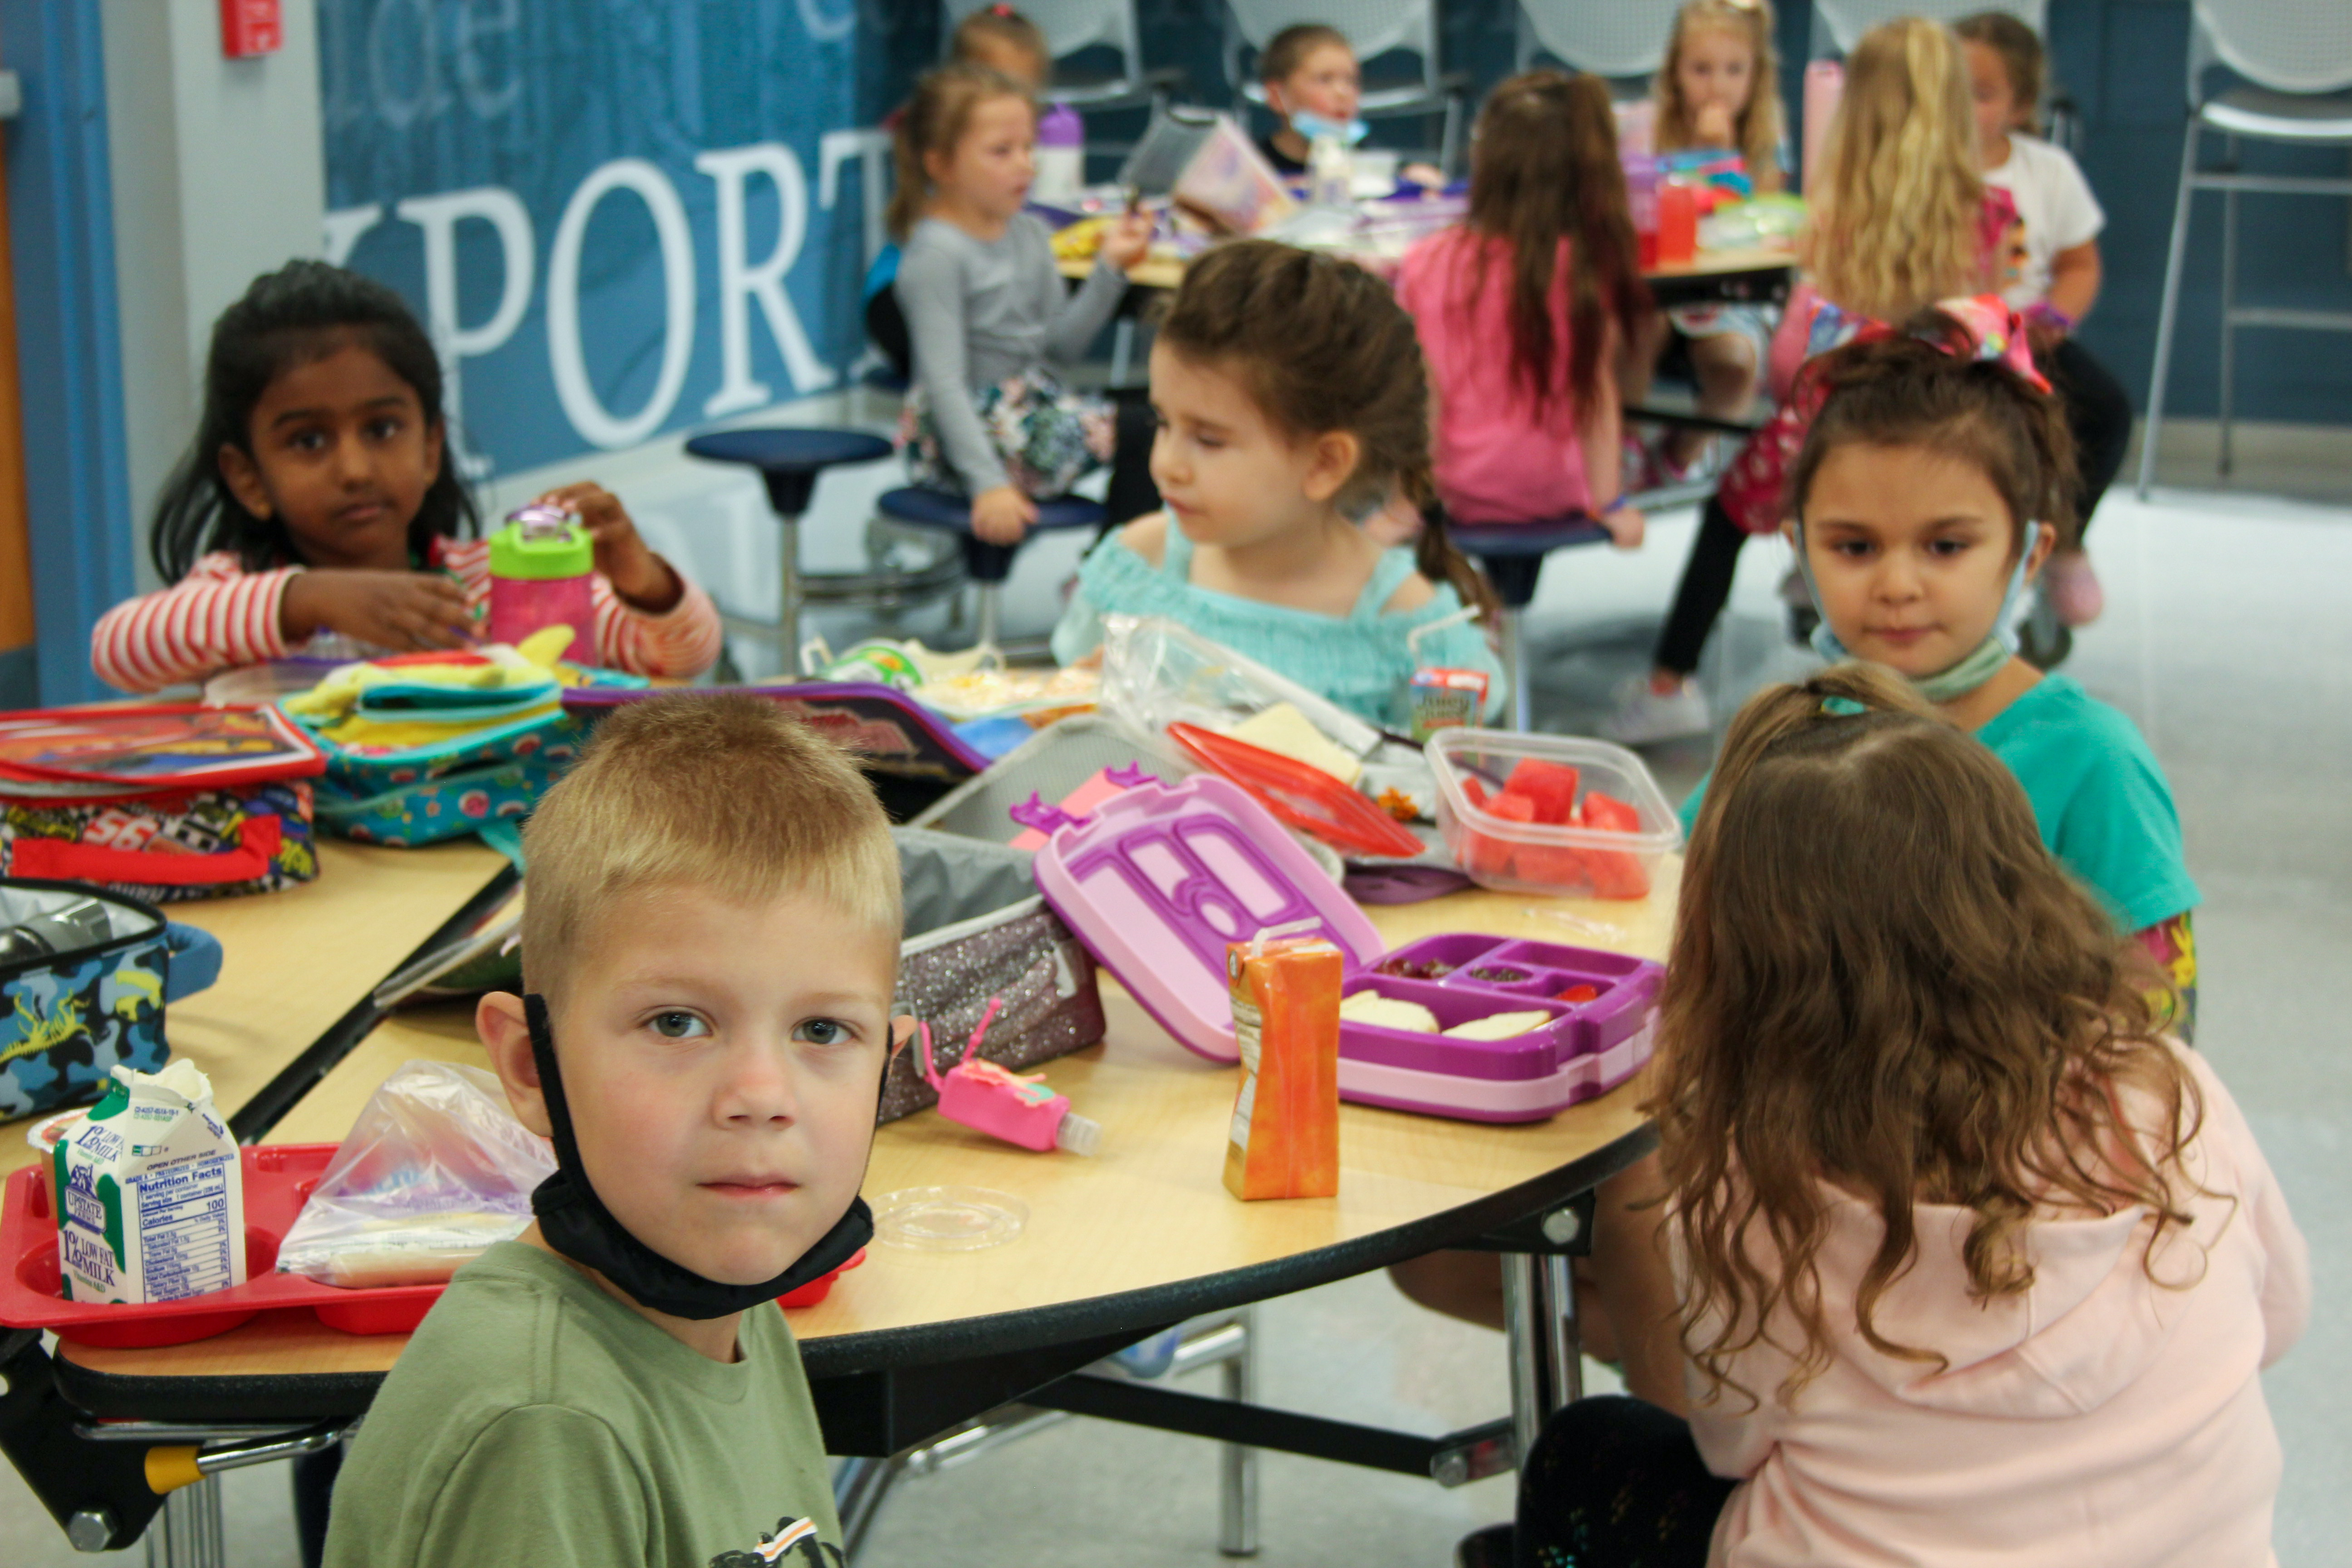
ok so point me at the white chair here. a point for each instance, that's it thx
(1620, 39)
(1073, 26)
(2298, 55)
(1372, 28)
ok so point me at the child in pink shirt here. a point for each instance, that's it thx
(1977, 1265)
(1524, 310)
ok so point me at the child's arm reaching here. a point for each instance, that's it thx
(221, 617)
(1082, 314)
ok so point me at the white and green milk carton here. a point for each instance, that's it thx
(151, 1199)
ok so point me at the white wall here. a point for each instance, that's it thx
(219, 173)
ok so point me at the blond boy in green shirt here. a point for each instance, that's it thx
(711, 939)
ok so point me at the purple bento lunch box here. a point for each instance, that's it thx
(1159, 879)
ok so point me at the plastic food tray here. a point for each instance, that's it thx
(1161, 878)
(1485, 846)
(278, 1179)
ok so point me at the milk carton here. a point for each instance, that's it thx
(151, 1199)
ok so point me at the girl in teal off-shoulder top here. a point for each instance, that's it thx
(1292, 402)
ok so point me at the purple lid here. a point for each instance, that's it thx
(1061, 127)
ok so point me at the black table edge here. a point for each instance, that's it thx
(313, 1397)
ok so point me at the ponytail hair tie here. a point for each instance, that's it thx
(1842, 707)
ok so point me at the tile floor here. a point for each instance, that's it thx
(2227, 637)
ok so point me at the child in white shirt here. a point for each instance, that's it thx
(2056, 278)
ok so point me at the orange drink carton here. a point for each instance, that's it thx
(1286, 1127)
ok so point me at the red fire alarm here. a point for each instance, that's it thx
(250, 27)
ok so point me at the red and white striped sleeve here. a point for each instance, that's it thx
(681, 641)
(219, 616)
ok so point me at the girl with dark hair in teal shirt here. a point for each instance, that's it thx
(1934, 483)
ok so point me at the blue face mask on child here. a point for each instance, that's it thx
(574, 1221)
(1314, 127)
(1981, 666)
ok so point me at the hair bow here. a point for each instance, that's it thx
(1996, 332)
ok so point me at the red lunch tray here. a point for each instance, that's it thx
(278, 1179)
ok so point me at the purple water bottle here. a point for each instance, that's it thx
(542, 562)
(1061, 155)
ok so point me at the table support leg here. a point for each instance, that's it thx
(1515, 671)
(788, 605)
(187, 1532)
(1237, 1462)
(1539, 1327)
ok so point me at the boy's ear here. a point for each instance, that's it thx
(506, 1036)
(902, 1032)
(1332, 464)
(243, 476)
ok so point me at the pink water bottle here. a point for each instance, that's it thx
(542, 562)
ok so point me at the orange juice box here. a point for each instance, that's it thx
(1286, 1128)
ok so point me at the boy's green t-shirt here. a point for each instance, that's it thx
(534, 1419)
(2099, 798)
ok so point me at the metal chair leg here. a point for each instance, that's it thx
(1539, 1377)
(1515, 667)
(2229, 301)
(1237, 1462)
(788, 610)
(187, 1533)
(1122, 351)
(991, 609)
(2169, 316)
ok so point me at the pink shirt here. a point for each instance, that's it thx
(2101, 1417)
(221, 617)
(1497, 458)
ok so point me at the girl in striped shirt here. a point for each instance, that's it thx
(317, 499)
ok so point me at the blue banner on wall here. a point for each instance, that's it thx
(617, 218)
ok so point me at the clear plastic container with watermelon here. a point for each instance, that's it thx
(1550, 814)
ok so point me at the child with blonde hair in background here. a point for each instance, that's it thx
(1719, 88)
(1900, 218)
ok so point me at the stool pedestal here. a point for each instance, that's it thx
(1512, 556)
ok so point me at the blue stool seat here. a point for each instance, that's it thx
(988, 564)
(790, 459)
(1512, 554)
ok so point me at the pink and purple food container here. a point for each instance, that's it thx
(542, 564)
(1159, 878)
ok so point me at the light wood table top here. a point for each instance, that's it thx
(1128, 1239)
(296, 962)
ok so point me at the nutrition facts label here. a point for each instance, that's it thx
(184, 1236)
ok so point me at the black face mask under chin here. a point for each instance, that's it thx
(574, 1221)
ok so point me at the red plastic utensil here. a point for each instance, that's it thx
(1301, 796)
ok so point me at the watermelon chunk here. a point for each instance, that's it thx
(1552, 785)
(1487, 856)
(1473, 790)
(1615, 874)
(1559, 868)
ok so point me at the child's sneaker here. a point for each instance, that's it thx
(2073, 588)
(1645, 715)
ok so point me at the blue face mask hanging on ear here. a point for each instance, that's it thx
(574, 1221)
(1314, 127)
(1981, 666)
